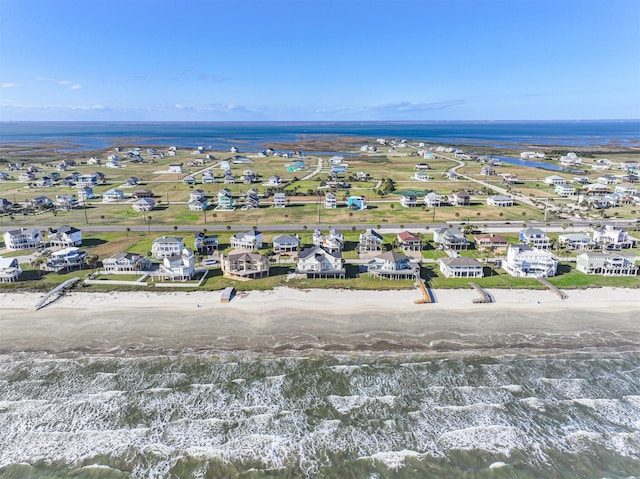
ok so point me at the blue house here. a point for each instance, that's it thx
(357, 203)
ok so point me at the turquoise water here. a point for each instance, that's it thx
(220, 135)
(525, 415)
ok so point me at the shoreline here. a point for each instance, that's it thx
(286, 319)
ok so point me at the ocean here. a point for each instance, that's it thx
(521, 414)
(257, 135)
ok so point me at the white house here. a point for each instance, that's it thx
(9, 269)
(251, 200)
(64, 236)
(175, 168)
(274, 181)
(576, 241)
(460, 267)
(393, 265)
(460, 198)
(565, 189)
(143, 205)
(408, 200)
(611, 237)
(244, 265)
(523, 261)
(450, 238)
(535, 237)
(279, 200)
(23, 238)
(499, 200)
(66, 259)
(316, 262)
(177, 268)
(125, 263)
(167, 246)
(607, 263)
(251, 240)
(555, 180)
(200, 204)
(369, 241)
(432, 200)
(85, 193)
(286, 243)
(330, 201)
(333, 242)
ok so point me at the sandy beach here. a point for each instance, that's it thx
(289, 319)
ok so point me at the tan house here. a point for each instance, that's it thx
(244, 265)
(491, 242)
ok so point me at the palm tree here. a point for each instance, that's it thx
(175, 228)
(127, 229)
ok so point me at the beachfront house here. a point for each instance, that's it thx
(607, 263)
(286, 243)
(167, 246)
(576, 241)
(357, 203)
(176, 268)
(65, 260)
(408, 200)
(9, 269)
(450, 238)
(205, 244)
(613, 238)
(333, 242)
(23, 238)
(594, 189)
(432, 200)
(316, 262)
(251, 240)
(460, 267)
(409, 242)
(535, 237)
(491, 242)
(393, 265)
(369, 241)
(500, 201)
(330, 201)
(125, 263)
(279, 200)
(524, 261)
(64, 236)
(244, 265)
(460, 198)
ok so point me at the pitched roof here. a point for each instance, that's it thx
(461, 261)
(407, 236)
(392, 256)
(492, 238)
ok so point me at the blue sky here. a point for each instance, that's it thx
(228, 60)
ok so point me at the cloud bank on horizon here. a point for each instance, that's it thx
(225, 60)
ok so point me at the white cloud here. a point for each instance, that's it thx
(9, 85)
(71, 85)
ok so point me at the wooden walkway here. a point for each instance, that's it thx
(484, 296)
(554, 289)
(58, 289)
(427, 296)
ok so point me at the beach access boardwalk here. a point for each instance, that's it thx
(484, 296)
(426, 293)
(561, 294)
(58, 289)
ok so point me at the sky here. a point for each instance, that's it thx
(319, 60)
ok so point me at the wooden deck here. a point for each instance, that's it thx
(58, 289)
(561, 294)
(484, 296)
(427, 296)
